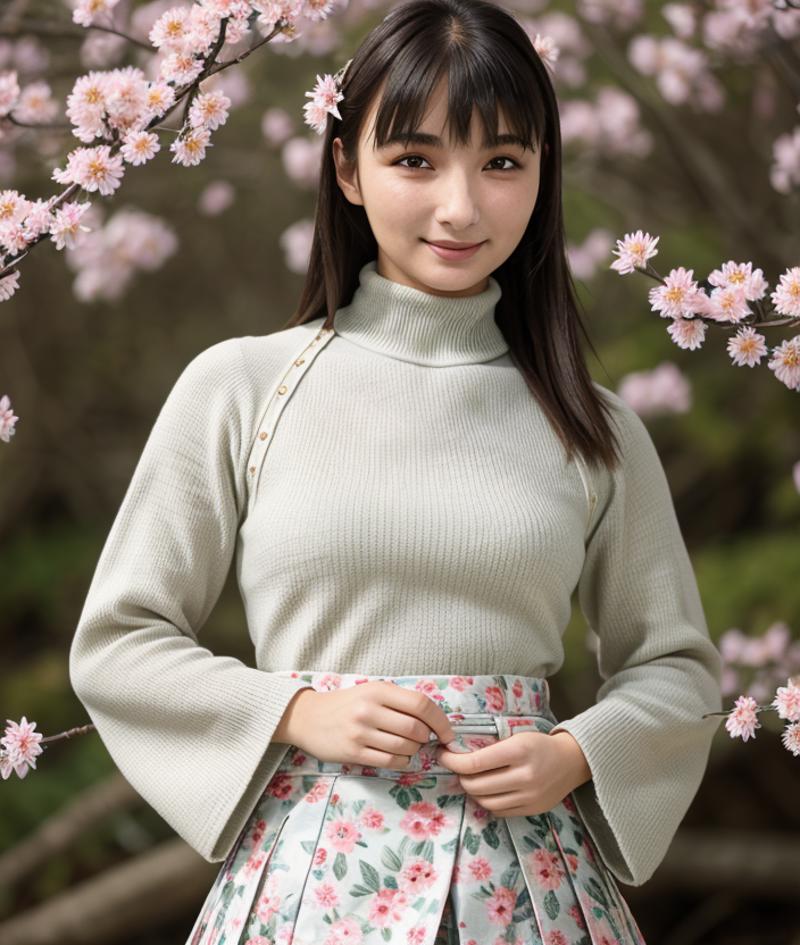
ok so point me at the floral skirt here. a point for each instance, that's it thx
(345, 854)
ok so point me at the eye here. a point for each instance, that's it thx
(413, 157)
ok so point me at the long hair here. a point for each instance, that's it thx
(490, 61)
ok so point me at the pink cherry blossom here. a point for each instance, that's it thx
(325, 98)
(9, 92)
(677, 297)
(8, 286)
(740, 274)
(786, 362)
(786, 297)
(139, 146)
(687, 333)
(66, 225)
(787, 702)
(209, 110)
(20, 742)
(742, 721)
(7, 417)
(791, 738)
(190, 149)
(634, 251)
(728, 303)
(747, 347)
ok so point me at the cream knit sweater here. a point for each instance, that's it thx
(412, 491)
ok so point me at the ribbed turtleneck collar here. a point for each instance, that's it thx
(406, 323)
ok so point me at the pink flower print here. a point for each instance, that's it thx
(369, 772)
(576, 915)
(480, 868)
(317, 792)
(419, 874)
(587, 847)
(372, 818)
(257, 833)
(410, 778)
(601, 932)
(459, 682)
(516, 689)
(431, 690)
(320, 856)
(254, 862)
(569, 804)
(326, 896)
(416, 935)
(479, 813)
(500, 905)
(298, 758)
(572, 862)
(344, 932)
(280, 786)
(334, 799)
(547, 868)
(386, 907)
(343, 835)
(556, 937)
(495, 699)
(259, 940)
(328, 682)
(267, 905)
(423, 820)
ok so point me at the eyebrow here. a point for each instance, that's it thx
(429, 140)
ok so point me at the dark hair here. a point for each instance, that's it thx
(490, 60)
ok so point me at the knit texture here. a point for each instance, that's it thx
(413, 491)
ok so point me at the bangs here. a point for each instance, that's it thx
(491, 87)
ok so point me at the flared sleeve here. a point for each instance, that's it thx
(190, 730)
(644, 739)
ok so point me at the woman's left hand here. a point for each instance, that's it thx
(525, 774)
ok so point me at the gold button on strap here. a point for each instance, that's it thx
(274, 406)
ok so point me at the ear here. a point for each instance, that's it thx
(346, 174)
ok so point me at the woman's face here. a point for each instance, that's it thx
(430, 192)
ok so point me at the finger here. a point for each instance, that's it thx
(501, 802)
(419, 705)
(505, 780)
(409, 729)
(497, 755)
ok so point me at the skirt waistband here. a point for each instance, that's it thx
(470, 702)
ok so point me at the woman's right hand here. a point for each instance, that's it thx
(377, 723)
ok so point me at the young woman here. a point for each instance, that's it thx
(414, 476)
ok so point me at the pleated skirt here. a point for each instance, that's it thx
(345, 854)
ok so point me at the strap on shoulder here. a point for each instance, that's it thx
(273, 409)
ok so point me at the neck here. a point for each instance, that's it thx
(402, 322)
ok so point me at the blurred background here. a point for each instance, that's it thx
(678, 119)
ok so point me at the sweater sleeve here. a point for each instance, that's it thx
(644, 739)
(190, 730)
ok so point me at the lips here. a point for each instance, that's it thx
(454, 245)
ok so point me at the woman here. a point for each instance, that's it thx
(414, 476)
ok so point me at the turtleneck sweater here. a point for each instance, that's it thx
(395, 483)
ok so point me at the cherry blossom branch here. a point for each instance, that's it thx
(691, 310)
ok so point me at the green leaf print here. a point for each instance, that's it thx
(359, 890)
(370, 875)
(551, 906)
(339, 865)
(471, 840)
(595, 890)
(386, 933)
(489, 834)
(390, 859)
